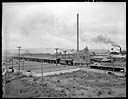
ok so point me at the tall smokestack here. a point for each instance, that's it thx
(77, 32)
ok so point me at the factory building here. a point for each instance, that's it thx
(82, 57)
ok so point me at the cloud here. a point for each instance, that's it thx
(38, 23)
(51, 24)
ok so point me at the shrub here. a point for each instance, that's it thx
(99, 93)
(82, 93)
(58, 80)
(74, 87)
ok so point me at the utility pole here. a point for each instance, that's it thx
(105, 68)
(23, 61)
(12, 65)
(19, 48)
(42, 70)
(56, 55)
(77, 32)
(113, 68)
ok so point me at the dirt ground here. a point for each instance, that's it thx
(78, 84)
(36, 66)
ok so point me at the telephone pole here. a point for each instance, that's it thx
(12, 65)
(19, 48)
(23, 61)
(42, 69)
(56, 55)
(113, 67)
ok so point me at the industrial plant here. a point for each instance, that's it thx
(65, 73)
(81, 57)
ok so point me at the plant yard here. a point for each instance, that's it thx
(77, 84)
(36, 67)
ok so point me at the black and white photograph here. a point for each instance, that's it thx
(63, 49)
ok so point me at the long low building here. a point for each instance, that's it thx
(81, 57)
(38, 59)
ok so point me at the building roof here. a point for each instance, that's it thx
(77, 61)
(118, 56)
(102, 54)
(41, 57)
(97, 57)
(67, 59)
(106, 60)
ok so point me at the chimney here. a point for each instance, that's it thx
(77, 32)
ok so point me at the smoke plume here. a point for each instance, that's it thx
(105, 40)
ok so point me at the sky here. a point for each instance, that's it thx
(53, 25)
